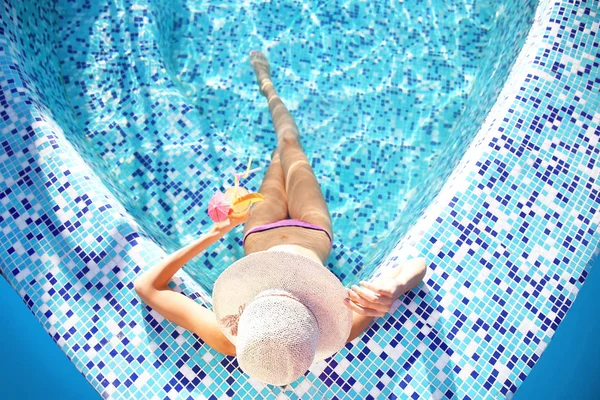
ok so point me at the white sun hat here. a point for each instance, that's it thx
(283, 311)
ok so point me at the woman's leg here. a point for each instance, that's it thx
(305, 200)
(274, 206)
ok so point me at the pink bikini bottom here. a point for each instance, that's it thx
(287, 222)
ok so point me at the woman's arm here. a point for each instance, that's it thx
(152, 287)
(360, 323)
(375, 299)
(160, 274)
(188, 314)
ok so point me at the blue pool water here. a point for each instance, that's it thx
(465, 132)
(389, 87)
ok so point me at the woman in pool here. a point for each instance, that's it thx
(278, 308)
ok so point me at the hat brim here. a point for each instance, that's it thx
(317, 287)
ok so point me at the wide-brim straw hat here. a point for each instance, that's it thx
(283, 311)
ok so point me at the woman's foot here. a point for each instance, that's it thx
(261, 67)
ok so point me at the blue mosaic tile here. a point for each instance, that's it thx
(484, 165)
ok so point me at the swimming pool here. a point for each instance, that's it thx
(121, 120)
(387, 90)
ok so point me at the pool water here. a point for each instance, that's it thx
(380, 91)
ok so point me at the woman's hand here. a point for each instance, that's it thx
(375, 299)
(231, 222)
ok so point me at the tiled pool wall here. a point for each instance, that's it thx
(508, 239)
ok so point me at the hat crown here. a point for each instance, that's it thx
(317, 288)
(277, 338)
